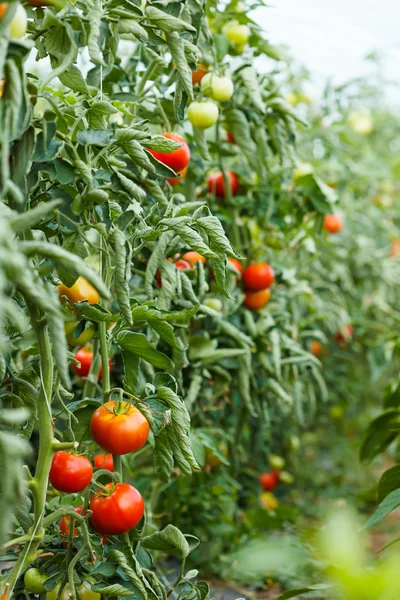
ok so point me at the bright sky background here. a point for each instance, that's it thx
(332, 38)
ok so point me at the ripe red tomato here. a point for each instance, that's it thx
(85, 357)
(316, 347)
(80, 291)
(194, 257)
(119, 433)
(117, 512)
(344, 335)
(104, 461)
(70, 472)
(258, 276)
(269, 480)
(230, 137)
(176, 160)
(256, 300)
(183, 265)
(3, 10)
(177, 180)
(216, 183)
(64, 523)
(333, 223)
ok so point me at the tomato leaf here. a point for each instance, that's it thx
(167, 540)
(387, 505)
(138, 344)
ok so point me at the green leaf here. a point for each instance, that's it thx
(299, 591)
(167, 540)
(249, 77)
(391, 502)
(177, 48)
(95, 137)
(167, 22)
(389, 481)
(380, 433)
(138, 344)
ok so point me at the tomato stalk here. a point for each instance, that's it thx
(38, 484)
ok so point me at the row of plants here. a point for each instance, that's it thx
(176, 305)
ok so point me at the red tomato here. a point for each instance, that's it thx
(64, 523)
(177, 180)
(183, 265)
(70, 472)
(216, 183)
(104, 461)
(117, 512)
(85, 357)
(316, 347)
(236, 264)
(176, 160)
(269, 480)
(344, 335)
(258, 276)
(230, 137)
(119, 433)
(333, 223)
(3, 10)
(256, 300)
(194, 257)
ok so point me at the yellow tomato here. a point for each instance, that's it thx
(269, 501)
(83, 338)
(80, 291)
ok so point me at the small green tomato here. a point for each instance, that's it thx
(218, 88)
(19, 23)
(203, 114)
(237, 34)
(276, 462)
(214, 303)
(34, 580)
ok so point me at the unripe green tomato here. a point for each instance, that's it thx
(294, 442)
(218, 88)
(84, 337)
(286, 477)
(203, 114)
(84, 590)
(276, 462)
(214, 303)
(19, 23)
(34, 580)
(237, 34)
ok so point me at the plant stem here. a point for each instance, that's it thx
(38, 485)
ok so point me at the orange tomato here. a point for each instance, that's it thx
(194, 257)
(316, 347)
(333, 223)
(175, 180)
(199, 73)
(3, 9)
(256, 300)
(80, 291)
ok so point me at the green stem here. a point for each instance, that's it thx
(104, 356)
(180, 577)
(38, 485)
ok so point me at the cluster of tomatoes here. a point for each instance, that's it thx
(257, 279)
(270, 479)
(118, 428)
(216, 87)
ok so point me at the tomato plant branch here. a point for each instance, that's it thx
(38, 485)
